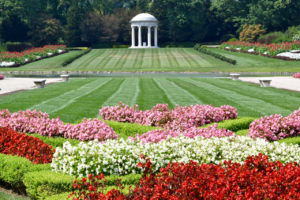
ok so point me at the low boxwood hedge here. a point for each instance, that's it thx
(234, 124)
(13, 169)
(201, 49)
(41, 184)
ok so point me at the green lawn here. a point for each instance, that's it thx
(7, 196)
(81, 98)
(160, 60)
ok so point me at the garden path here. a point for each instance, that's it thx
(283, 82)
(9, 85)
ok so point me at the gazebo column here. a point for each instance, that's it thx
(155, 37)
(140, 36)
(132, 36)
(149, 36)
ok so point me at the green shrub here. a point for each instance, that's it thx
(62, 196)
(13, 168)
(274, 37)
(200, 48)
(235, 124)
(292, 140)
(72, 59)
(124, 130)
(18, 46)
(41, 184)
(131, 179)
(115, 46)
(233, 40)
(243, 132)
(124, 191)
(55, 141)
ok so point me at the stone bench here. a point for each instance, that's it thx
(40, 83)
(235, 76)
(265, 82)
(65, 77)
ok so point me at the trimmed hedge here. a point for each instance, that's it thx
(18, 46)
(72, 59)
(42, 184)
(131, 179)
(13, 169)
(199, 48)
(235, 124)
(55, 141)
(125, 130)
(243, 132)
(62, 196)
(291, 140)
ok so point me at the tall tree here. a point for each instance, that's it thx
(73, 33)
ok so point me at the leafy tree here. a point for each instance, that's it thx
(73, 33)
(14, 29)
(45, 30)
(90, 28)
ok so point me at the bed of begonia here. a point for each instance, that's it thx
(8, 59)
(276, 127)
(263, 49)
(39, 122)
(20, 144)
(122, 156)
(256, 178)
(296, 75)
(178, 119)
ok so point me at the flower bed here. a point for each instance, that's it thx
(12, 59)
(280, 50)
(39, 122)
(159, 135)
(20, 144)
(122, 156)
(296, 75)
(181, 118)
(276, 127)
(256, 178)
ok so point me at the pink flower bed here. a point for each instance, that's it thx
(39, 122)
(159, 135)
(276, 127)
(178, 119)
(296, 75)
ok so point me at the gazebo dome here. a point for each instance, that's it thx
(144, 17)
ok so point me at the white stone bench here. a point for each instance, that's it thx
(40, 83)
(65, 77)
(265, 82)
(235, 76)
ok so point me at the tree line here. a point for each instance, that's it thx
(88, 22)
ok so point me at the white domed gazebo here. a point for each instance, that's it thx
(144, 20)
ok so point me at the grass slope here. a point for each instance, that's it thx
(81, 98)
(160, 60)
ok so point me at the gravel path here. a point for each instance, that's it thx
(282, 82)
(9, 85)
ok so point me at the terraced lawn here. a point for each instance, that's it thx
(81, 98)
(160, 60)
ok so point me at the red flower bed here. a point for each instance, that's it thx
(20, 144)
(257, 178)
(296, 75)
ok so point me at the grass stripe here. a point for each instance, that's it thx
(58, 103)
(125, 93)
(89, 105)
(25, 100)
(163, 57)
(172, 90)
(131, 60)
(257, 105)
(151, 94)
(147, 59)
(269, 94)
(156, 61)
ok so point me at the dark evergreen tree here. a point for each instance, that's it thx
(73, 33)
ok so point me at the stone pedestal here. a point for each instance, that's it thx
(65, 77)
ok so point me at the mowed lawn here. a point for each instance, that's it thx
(81, 98)
(160, 60)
